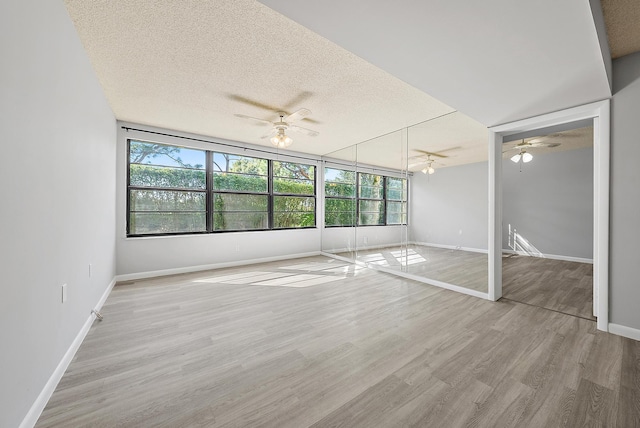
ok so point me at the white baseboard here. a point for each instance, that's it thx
(450, 247)
(623, 330)
(43, 398)
(550, 256)
(198, 268)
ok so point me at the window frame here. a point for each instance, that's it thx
(358, 198)
(382, 199)
(403, 200)
(210, 192)
(175, 189)
(353, 198)
(266, 193)
(273, 195)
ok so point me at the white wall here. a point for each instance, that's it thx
(140, 257)
(361, 237)
(550, 204)
(58, 193)
(338, 239)
(450, 207)
(625, 197)
(379, 236)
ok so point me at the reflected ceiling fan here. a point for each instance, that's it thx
(523, 155)
(278, 135)
(428, 161)
(428, 169)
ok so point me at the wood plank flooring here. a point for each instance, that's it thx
(315, 342)
(462, 268)
(552, 284)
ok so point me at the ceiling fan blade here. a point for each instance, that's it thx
(511, 148)
(297, 115)
(262, 121)
(543, 144)
(449, 149)
(411, 165)
(270, 134)
(309, 132)
(302, 96)
(431, 153)
(251, 102)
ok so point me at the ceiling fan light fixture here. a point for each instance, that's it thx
(281, 140)
(527, 157)
(515, 158)
(430, 170)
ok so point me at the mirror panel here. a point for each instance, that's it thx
(338, 179)
(412, 202)
(448, 213)
(381, 234)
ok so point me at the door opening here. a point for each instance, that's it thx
(599, 113)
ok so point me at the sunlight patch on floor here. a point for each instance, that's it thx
(285, 279)
(408, 257)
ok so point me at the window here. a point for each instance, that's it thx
(396, 196)
(340, 197)
(240, 193)
(377, 200)
(167, 189)
(294, 201)
(370, 199)
(175, 190)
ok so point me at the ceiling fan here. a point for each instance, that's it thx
(278, 135)
(428, 162)
(428, 169)
(522, 147)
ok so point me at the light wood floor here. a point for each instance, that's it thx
(314, 342)
(552, 284)
(463, 268)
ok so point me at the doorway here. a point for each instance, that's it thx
(599, 113)
(547, 217)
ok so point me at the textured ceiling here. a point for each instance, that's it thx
(622, 18)
(192, 65)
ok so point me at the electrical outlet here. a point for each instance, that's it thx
(365, 239)
(64, 293)
(90, 270)
(460, 232)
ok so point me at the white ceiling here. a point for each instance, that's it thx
(496, 61)
(191, 66)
